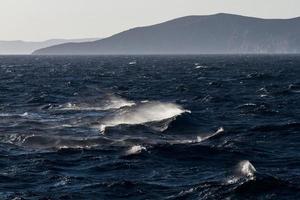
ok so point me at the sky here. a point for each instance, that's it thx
(37, 20)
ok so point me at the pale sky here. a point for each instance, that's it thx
(45, 19)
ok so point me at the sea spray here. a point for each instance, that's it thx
(111, 102)
(143, 113)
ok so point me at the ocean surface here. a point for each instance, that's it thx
(150, 127)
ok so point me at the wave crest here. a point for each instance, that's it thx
(111, 102)
(203, 138)
(246, 168)
(137, 149)
(143, 113)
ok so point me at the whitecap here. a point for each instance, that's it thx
(132, 63)
(26, 114)
(203, 138)
(16, 139)
(59, 142)
(143, 113)
(294, 88)
(201, 67)
(232, 180)
(62, 182)
(112, 102)
(249, 104)
(245, 168)
(137, 149)
(117, 102)
(5, 115)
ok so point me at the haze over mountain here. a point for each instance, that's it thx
(26, 47)
(211, 34)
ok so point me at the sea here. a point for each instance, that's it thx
(150, 127)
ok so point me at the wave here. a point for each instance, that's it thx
(143, 113)
(16, 139)
(198, 139)
(132, 63)
(203, 138)
(246, 168)
(25, 114)
(260, 76)
(250, 181)
(133, 189)
(244, 171)
(295, 87)
(54, 142)
(201, 67)
(246, 182)
(277, 127)
(252, 108)
(110, 102)
(265, 184)
(137, 149)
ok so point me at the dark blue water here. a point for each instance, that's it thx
(175, 127)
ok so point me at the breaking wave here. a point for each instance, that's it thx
(199, 139)
(111, 102)
(203, 138)
(143, 113)
(54, 142)
(245, 168)
(137, 149)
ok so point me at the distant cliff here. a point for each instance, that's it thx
(25, 47)
(212, 34)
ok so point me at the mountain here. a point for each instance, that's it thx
(210, 34)
(24, 47)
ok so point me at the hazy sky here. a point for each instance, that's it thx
(45, 19)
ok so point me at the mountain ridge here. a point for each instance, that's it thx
(195, 34)
(20, 47)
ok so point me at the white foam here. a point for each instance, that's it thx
(263, 95)
(246, 168)
(62, 182)
(73, 106)
(249, 104)
(243, 170)
(117, 102)
(137, 149)
(24, 114)
(5, 115)
(111, 103)
(203, 138)
(232, 180)
(132, 63)
(16, 138)
(143, 113)
(200, 67)
(12, 114)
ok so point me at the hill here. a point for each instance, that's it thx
(20, 47)
(211, 34)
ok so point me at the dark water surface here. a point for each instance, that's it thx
(152, 127)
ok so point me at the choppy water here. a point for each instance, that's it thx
(175, 127)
